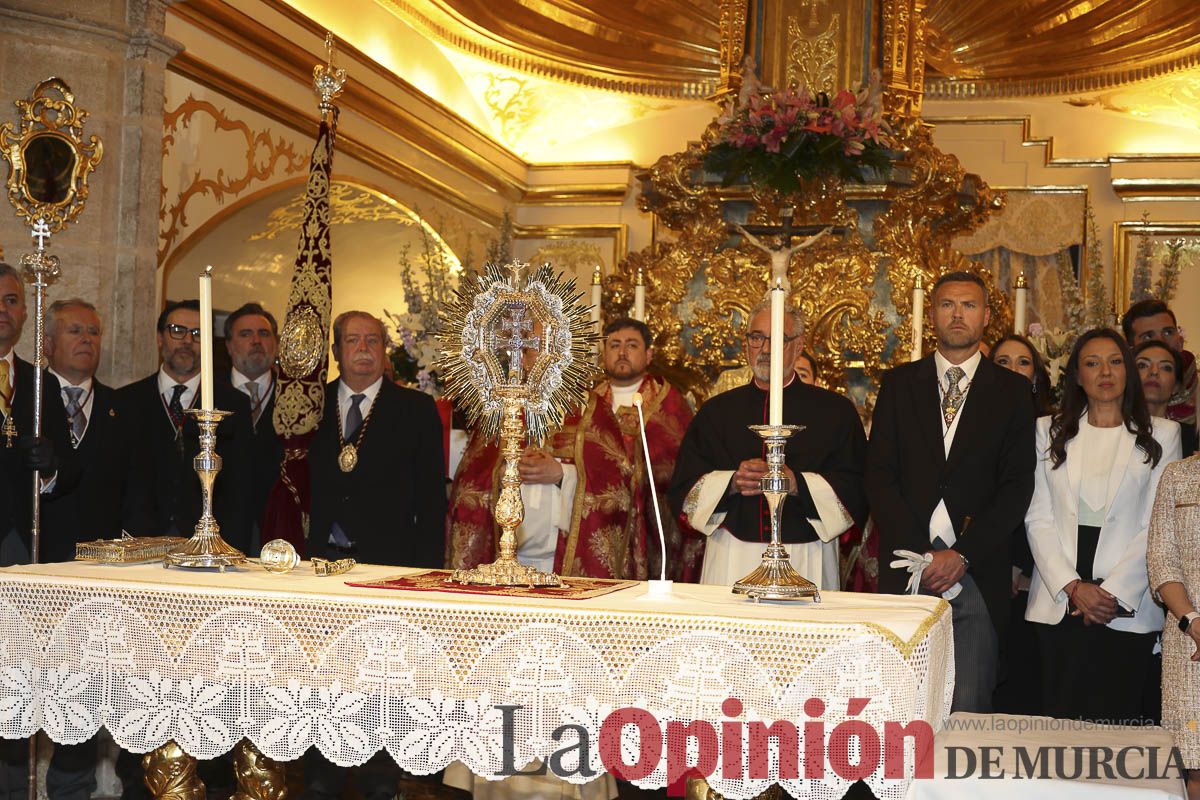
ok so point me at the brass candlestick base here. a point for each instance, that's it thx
(509, 513)
(206, 548)
(775, 578)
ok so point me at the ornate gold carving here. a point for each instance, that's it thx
(263, 158)
(348, 203)
(49, 160)
(915, 233)
(930, 201)
(171, 774)
(813, 60)
(258, 777)
(733, 46)
(302, 343)
(904, 31)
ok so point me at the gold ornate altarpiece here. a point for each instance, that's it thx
(896, 230)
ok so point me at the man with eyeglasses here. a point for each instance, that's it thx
(1153, 320)
(166, 439)
(717, 485)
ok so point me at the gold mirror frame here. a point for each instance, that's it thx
(50, 115)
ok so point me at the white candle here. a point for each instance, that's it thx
(776, 406)
(1019, 308)
(918, 320)
(206, 342)
(639, 298)
(597, 296)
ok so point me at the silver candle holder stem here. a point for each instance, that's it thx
(206, 548)
(775, 578)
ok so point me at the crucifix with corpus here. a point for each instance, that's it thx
(781, 255)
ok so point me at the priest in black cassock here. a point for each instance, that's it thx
(717, 482)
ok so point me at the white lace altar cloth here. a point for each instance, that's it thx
(295, 661)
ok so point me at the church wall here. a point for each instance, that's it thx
(111, 54)
(1127, 164)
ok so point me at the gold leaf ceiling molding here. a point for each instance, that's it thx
(976, 48)
(666, 48)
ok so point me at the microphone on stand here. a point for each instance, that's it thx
(662, 585)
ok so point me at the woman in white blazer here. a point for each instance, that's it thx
(1099, 461)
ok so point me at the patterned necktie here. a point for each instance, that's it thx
(354, 416)
(75, 414)
(175, 407)
(6, 389)
(953, 399)
(255, 408)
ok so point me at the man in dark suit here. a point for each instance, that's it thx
(378, 493)
(94, 508)
(20, 455)
(166, 440)
(950, 473)
(20, 452)
(252, 339)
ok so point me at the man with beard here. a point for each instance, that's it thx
(717, 485)
(627, 355)
(950, 474)
(252, 340)
(164, 439)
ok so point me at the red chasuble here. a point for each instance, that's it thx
(667, 416)
(607, 536)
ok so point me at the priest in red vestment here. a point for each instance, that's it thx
(582, 501)
(627, 353)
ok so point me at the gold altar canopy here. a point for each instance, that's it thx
(854, 290)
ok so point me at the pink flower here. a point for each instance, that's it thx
(774, 138)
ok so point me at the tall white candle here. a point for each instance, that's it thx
(775, 416)
(1021, 302)
(639, 297)
(206, 342)
(597, 296)
(918, 320)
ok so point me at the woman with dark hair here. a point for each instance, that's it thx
(1099, 461)
(1019, 688)
(1018, 354)
(1161, 371)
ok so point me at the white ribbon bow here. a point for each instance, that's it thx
(916, 563)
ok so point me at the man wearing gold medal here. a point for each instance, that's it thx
(378, 494)
(376, 462)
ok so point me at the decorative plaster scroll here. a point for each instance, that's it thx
(263, 161)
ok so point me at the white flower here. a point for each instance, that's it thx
(445, 729)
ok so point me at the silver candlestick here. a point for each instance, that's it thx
(775, 578)
(206, 548)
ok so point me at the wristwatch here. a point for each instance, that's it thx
(1186, 620)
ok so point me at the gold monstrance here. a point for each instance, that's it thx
(516, 348)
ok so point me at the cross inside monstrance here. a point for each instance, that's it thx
(512, 340)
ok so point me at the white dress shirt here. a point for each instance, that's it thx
(939, 523)
(364, 407)
(86, 397)
(166, 388)
(623, 395)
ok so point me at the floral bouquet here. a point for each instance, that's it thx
(782, 139)
(412, 351)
